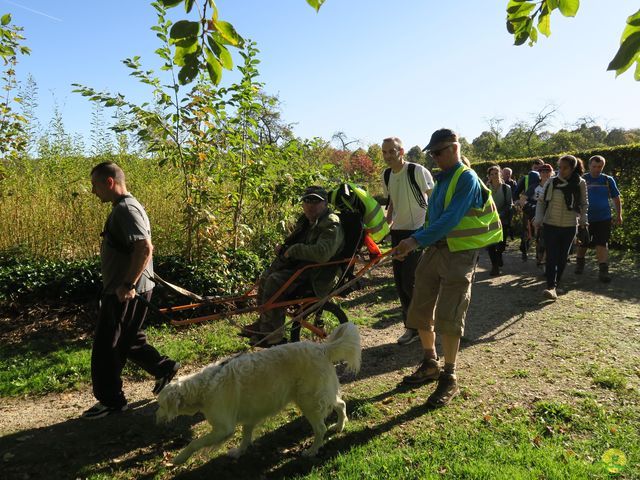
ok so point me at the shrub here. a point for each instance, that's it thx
(26, 280)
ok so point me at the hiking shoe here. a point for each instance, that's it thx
(409, 336)
(162, 382)
(428, 371)
(99, 410)
(550, 293)
(446, 390)
(603, 274)
(604, 277)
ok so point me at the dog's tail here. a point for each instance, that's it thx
(343, 345)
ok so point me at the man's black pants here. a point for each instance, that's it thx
(118, 337)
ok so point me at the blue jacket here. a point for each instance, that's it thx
(468, 194)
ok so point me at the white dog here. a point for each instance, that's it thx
(251, 387)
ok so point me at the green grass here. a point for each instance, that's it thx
(38, 367)
(610, 378)
(40, 371)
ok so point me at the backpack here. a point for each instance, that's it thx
(415, 188)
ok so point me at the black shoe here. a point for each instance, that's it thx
(446, 390)
(524, 257)
(579, 266)
(99, 410)
(495, 270)
(162, 382)
(603, 274)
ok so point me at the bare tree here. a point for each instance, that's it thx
(341, 137)
(540, 121)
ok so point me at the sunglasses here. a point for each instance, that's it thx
(439, 151)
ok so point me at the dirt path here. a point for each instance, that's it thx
(517, 349)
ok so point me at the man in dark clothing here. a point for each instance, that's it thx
(525, 193)
(127, 271)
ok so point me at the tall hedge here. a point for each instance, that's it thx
(623, 163)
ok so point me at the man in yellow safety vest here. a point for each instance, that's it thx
(461, 219)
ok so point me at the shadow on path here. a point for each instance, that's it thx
(71, 446)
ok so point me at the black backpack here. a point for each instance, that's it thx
(415, 188)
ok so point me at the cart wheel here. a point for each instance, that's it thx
(329, 317)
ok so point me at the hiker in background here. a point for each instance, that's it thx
(546, 172)
(562, 206)
(525, 192)
(601, 189)
(407, 186)
(501, 194)
(507, 174)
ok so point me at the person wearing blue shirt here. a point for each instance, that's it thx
(601, 189)
(443, 278)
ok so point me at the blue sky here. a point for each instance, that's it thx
(369, 68)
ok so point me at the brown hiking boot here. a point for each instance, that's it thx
(427, 371)
(447, 389)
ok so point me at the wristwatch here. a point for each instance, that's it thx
(129, 286)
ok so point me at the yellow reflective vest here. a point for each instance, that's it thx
(356, 199)
(480, 227)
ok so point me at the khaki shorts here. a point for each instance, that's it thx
(442, 290)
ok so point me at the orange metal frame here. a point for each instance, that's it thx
(273, 302)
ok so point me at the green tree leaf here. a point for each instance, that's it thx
(533, 36)
(184, 29)
(316, 4)
(553, 4)
(188, 72)
(627, 54)
(228, 32)
(6, 19)
(637, 74)
(523, 30)
(182, 54)
(188, 5)
(170, 3)
(634, 20)
(520, 8)
(215, 70)
(569, 8)
(544, 23)
(220, 52)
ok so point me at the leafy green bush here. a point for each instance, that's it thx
(26, 280)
